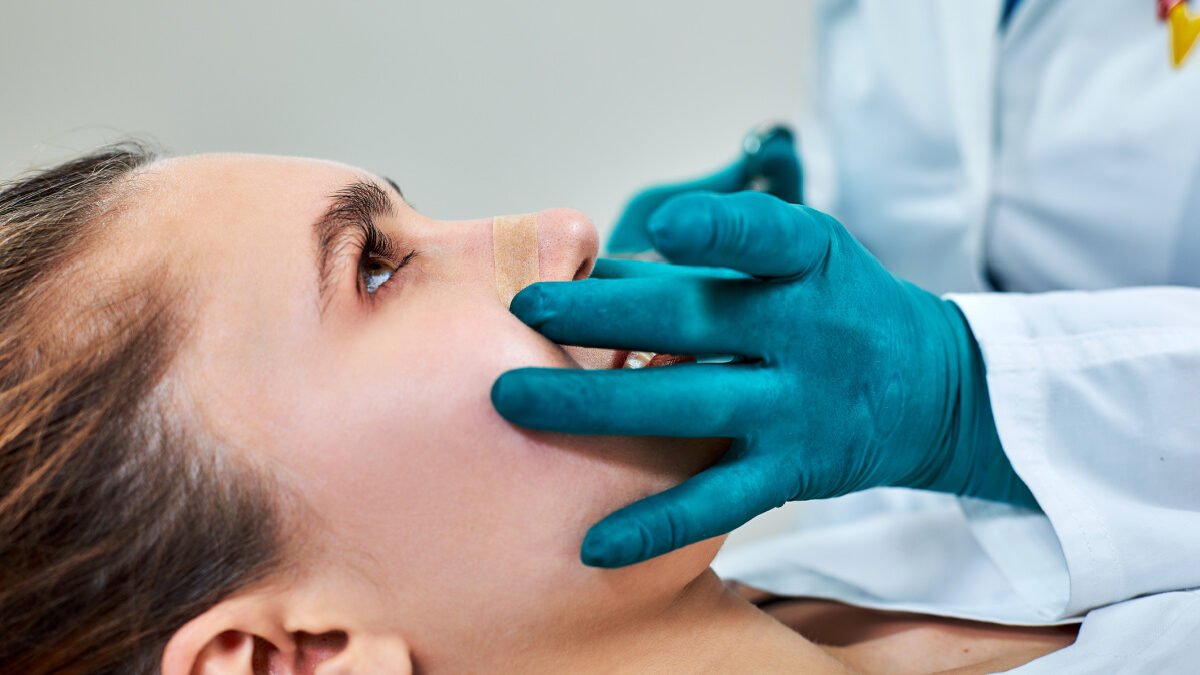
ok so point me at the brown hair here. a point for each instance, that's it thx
(119, 520)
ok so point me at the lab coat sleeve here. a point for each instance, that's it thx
(1154, 634)
(1096, 397)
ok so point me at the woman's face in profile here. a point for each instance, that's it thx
(366, 386)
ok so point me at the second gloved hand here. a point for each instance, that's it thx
(847, 378)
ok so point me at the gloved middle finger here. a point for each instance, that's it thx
(688, 400)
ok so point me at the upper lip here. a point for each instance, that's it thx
(618, 359)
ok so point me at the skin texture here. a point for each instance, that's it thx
(432, 535)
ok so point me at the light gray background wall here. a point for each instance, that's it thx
(475, 108)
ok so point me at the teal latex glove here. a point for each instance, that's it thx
(768, 162)
(848, 377)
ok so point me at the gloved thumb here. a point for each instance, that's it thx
(750, 232)
(629, 234)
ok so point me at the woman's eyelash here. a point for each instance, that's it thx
(375, 244)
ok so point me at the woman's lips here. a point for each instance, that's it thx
(625, 359)
(669, 360)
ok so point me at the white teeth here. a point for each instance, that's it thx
(638, 359)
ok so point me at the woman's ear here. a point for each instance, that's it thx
(224, 639)
(261, 634)
(369, 654)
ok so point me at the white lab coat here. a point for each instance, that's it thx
(1058, 160)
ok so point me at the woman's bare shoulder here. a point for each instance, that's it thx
(872, 641)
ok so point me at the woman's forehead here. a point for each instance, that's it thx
(202, 205)
(238, 230)
(254, 178)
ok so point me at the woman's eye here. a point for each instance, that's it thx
(376, 272)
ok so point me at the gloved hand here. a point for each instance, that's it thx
(768, 162)
(849, 378)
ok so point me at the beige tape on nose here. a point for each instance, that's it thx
(515, 251)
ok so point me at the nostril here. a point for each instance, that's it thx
(585, 268)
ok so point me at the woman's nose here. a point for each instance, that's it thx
(553, 245)
(567, 245)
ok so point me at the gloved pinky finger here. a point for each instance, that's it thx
(709, 504)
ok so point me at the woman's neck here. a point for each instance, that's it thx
(702, 629)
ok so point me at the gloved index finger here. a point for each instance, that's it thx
(621, 268)
(676, 315)
(752, 232)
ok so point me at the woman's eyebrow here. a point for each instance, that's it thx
(352, 208)
(394, 186)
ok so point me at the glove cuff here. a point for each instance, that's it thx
(975, 464)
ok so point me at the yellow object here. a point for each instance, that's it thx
(1184, 28)
(515, 252)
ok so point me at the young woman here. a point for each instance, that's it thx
(245, 427)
